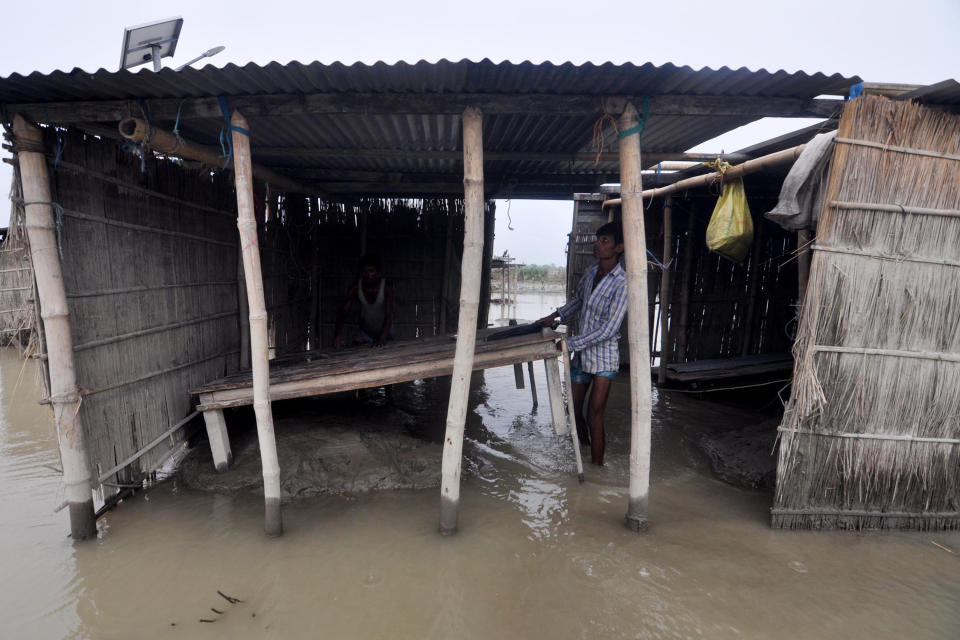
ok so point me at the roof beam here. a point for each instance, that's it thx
(649, 159)
(426, 103)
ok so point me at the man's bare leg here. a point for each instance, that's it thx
(579, 395)
(598, 404)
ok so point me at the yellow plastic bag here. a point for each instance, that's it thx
(730, 231)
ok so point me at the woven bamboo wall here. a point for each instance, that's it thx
(871, 436)
(717, 323)
(150, 272)
(410, 238)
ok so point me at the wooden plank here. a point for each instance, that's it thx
(321, 384)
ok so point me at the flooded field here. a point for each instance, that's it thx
(537, 555)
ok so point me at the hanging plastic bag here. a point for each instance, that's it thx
(730, 231)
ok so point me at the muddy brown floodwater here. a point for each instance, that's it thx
(537, 555)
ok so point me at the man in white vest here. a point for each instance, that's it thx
(374, 295)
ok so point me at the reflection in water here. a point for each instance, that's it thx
(538, 555)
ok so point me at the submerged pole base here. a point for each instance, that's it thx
(449, 511)
(580, 478)
(83, 520)
(273, 519)
(637, 524)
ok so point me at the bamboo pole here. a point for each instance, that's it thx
(750, 166)
(687, 284)
(636, 260)
(64, 393)
(473, 241)
(138, 130)
(260, 359)
(665, 286)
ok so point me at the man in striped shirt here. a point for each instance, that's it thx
(601, 302)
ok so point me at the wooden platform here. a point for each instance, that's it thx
(726, 368)
(319, 373)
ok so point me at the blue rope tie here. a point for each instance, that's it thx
(641, 124)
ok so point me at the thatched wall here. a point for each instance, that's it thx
(871, 436)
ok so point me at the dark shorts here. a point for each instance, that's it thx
(579, 376)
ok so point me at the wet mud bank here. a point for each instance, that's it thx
(339, 446)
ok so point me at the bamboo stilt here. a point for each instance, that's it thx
(665, 286)
(64, 393)
(555, 394)
(636, 262)
(260, 359)
(467, 325)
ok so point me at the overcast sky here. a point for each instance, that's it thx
(879, 40)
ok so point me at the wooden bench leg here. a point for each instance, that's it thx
(533, 385)
(556, 396)
(219, 440)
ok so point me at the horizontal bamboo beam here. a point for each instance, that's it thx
(138, 130)
(893, 208)
(153, 443)
(895, 149)
(79, 215)
(880, 256)
(786, 156)
(942, 356)
(650, 159)
(864, 514)
(260, 106)
(873, 436)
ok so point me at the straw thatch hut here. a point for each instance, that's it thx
(130, 206)
(871, 436)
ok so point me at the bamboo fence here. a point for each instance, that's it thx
(871, 435)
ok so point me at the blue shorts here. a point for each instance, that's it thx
(579, 376)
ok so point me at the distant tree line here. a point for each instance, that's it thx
(540, 273)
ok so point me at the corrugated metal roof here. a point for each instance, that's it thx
(291, 143)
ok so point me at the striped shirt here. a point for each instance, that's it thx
(601, 310)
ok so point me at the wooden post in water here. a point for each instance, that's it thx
(631, 193)
(64, 393)
(260, 357)
(243, 311)
(470, 276)
(665, 286)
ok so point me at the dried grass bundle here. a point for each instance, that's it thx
(871, 436)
